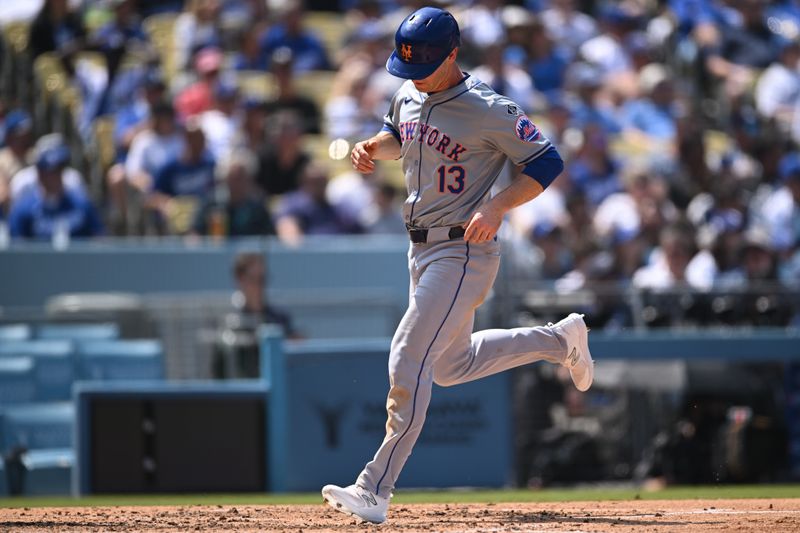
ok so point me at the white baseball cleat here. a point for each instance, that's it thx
(579, 360)
(357, 501)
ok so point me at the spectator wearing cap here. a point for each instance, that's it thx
(49, 206)
(134, 117)
(307, 49)
(287, 97)
(14, 155)
(308, 212)
(151, 149)
(199, 26)
(198, 97)
(780, 212)
(720, 220)
(221, 123)
(51, 154)
(237, 210)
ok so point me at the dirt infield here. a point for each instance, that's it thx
(773, 515)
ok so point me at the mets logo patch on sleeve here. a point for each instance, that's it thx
(526, 130)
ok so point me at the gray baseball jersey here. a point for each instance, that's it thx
(454, 145)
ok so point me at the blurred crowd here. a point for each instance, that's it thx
(678, 122)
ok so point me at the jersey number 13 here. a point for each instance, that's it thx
(451, 179)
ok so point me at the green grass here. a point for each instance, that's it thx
(447, 496)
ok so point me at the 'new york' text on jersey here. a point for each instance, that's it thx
(454, 145)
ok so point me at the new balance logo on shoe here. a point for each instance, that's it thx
(368, 498)
(573, 357)
(357, 501)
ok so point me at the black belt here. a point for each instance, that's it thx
(420, 236)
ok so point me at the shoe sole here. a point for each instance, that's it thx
(344, 510)
(586, 356)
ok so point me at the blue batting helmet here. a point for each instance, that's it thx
(422, 42)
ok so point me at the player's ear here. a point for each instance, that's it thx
(453, 54)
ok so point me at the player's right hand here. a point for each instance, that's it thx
(361, 156)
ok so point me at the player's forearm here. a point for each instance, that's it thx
(522, 190)
(386, 146)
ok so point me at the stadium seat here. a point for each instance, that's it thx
(44, 434)
(159, 29)
(256, 84)
(104, 149)
(50, 76)
(78, 332)
(3, 483)
(48, 472)
(53, 366)
(16, 35)
(37, 426)
(120, 360)
(15, 332)
(17, 384)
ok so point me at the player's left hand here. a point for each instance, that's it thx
(483, 225)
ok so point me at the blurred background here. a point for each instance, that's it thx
(174, 174)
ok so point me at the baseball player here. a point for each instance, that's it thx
(454, 135)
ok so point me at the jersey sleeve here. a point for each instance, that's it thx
(391, 122)
(507, 128)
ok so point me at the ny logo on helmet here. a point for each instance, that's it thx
(405, 51)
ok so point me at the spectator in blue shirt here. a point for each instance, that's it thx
(51, 207)
(181, 185)
(308, 212)
(122, 33)
(249, 56)
(592, 171)
(547, 62)
(585, 81)
(193, 173)
(307, 49)
(135, 116)
(653, 115)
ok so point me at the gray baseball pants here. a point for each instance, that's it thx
(434, 343)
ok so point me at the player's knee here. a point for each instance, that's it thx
(445, 381)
